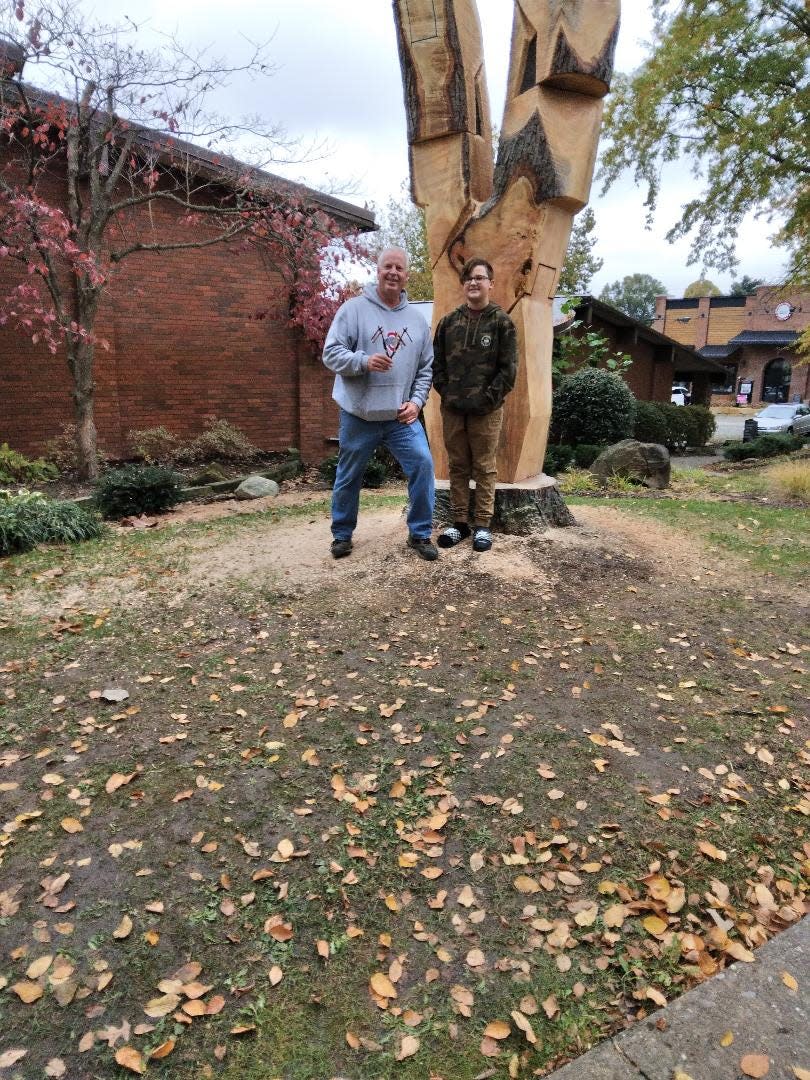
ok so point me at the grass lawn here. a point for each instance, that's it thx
(440, 820)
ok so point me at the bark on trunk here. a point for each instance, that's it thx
(83, 399)
(519, 508)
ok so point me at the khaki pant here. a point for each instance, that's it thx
(472, 444)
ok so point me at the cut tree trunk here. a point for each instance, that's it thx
(522, 508)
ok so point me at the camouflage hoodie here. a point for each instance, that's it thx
(474, 359)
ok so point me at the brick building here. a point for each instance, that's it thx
(184, 343)
(753, 338)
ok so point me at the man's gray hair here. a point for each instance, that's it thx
(388, 250)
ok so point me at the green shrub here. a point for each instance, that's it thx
(764, 447)
(378, 470)
(17, 469)
(585, 454)
(651, 424)
(557, 459)
(682, 427)
(62, 451)
(704, 421)
(137, 489)
(155, 445)
(28, 519)
(593, 406)
(221, 441)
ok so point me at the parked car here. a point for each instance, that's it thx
(801, 422)
(680, 395)
(776, 418)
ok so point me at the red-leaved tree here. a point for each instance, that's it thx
(124, 127)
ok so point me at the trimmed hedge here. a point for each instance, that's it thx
(137, 489)
(764, 447)
(593, 406)
(651, 425)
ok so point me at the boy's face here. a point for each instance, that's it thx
(477, 287)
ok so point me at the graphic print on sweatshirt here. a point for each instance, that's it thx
(391, 340)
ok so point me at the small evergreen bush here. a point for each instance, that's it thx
(219, 441)
(17, 469)
(704, 421)
(682, 427)
(155, 445)
(585, 454)
(764, 447)
(28, 519)
(137, 489)
(377, 471)
(651, 424)
(557, 459)
(593, 406)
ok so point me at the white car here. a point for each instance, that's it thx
(777, 418)
(801, 423)
(680, 395)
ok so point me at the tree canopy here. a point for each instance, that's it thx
(403, 225)
(634, 295)
(702, 287)
(726, 88)
(745, 286)
(580, 262)
(126, 133)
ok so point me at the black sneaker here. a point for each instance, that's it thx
(341, 548)
(482, 540)
(425, 549)
(453, 534)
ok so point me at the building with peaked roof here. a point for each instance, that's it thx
(184, 339)
(658, 360)
(753, 338)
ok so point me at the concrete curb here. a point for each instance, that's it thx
(750, 1000)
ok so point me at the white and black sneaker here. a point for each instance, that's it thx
(482, 540)
(453, 534)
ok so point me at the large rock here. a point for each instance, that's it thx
(646, 463)
(256, 487)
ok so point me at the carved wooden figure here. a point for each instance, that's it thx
(518, 216)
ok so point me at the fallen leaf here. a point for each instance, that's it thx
(38, 967)
(408, 1046)
(498, 1029)
(27, 991)
(118, 780)
(475, 958)
(275, 975)
(163, 1050)
(161, 1006)
(526, 885)
(130, 1058)
(727, 1038)
(787, 979)
(755, 1065)
(71, 825)
(382, 986)
(11, 1057)
(124, 928)
(712, 852)
(55, 1067)
(654, 925)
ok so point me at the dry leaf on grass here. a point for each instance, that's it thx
(755, 1065)
(130, 1058)
(408, 1046)
(497, 1029)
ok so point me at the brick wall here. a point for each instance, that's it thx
(184, 344)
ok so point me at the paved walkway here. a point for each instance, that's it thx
(752, 1001)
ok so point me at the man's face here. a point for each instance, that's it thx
(392, 276)
(477, 288)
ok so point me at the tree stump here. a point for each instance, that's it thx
(520, 508)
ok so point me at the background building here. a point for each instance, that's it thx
(753, 338)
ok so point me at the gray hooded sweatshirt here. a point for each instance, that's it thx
(364, 326)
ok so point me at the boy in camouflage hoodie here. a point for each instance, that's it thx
(474, 368)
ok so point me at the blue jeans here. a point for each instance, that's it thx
(358, 441)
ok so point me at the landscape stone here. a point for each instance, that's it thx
(647, 463)
(256, 487)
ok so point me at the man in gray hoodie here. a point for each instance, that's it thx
(380, 350)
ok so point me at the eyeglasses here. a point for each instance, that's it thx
(476, 277)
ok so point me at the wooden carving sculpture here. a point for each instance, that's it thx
(518, 215)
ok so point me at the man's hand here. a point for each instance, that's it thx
(407, 412)
(379, 362)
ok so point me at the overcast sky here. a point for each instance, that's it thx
(337, 78)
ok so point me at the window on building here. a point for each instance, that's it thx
(724, 384)
(776, 380)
